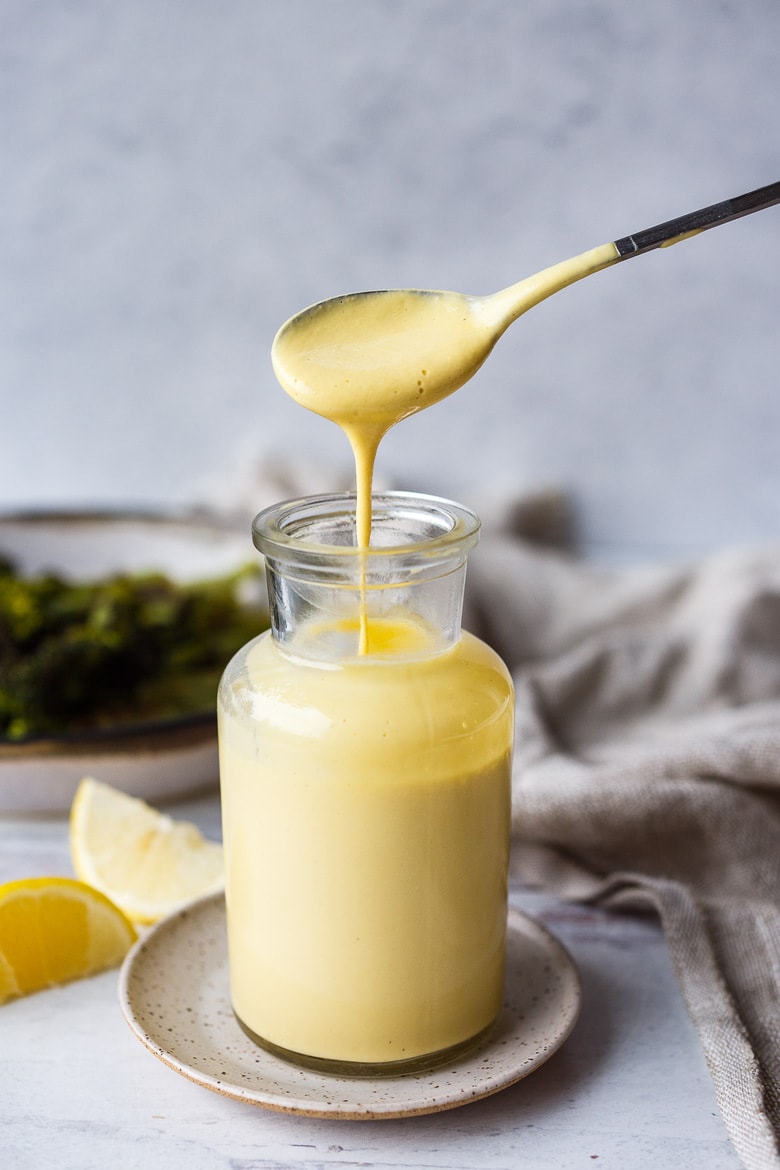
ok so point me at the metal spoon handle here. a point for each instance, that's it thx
(697, 221)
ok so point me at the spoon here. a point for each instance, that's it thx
(370, 359)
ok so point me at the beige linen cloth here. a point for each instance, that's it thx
(648, 771)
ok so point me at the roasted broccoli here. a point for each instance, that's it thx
(120, 649)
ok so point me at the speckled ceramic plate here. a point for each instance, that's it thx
(154, 759)
(175, 995)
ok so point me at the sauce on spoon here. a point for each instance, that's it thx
(368, 360)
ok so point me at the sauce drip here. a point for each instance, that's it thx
(368, 360)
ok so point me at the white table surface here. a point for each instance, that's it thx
(628, 1090)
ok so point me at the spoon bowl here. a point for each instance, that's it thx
(329, 356)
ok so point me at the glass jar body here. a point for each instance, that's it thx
(366, 828)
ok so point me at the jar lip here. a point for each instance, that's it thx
(277, 529)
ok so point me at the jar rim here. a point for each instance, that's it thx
(277, 530)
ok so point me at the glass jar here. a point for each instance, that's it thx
(365, 747)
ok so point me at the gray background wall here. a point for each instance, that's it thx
(180, 176)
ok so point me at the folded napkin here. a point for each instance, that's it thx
(647, 770)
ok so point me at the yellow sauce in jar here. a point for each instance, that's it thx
(366, 828)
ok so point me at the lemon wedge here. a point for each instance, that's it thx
(142, 859)
(54, 930)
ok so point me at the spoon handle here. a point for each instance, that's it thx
(697, 221)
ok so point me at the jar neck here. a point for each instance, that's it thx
(404, 593)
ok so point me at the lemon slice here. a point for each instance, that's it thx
(53, 930)
(144, 861)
